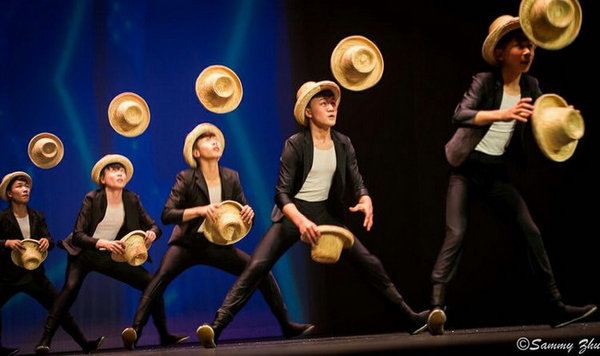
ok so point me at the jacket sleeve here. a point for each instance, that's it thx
(146, 221)
(84, 218)
(467, 109)
(43, 228)
(288, 165)
(355, 178)
(173, 211)
(238, 191)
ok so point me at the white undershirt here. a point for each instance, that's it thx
(214, 194)
(24, 226)
(496, 140)
(318, 182)
(109, 227)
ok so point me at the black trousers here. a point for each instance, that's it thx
(42, 290)
(200, 251)
(87, 261)
(277, 240)
(486, 177)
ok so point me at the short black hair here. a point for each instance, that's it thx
(517, 34)
(14, 180)
(327, 93)
(204, 135)
(112, 166)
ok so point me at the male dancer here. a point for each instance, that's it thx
(491, 119)
(318, 165)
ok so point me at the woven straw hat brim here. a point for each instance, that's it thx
(52, 162)
(487, 50)
(564, 39)
(542, 103)
(340, 232)
(113, 117)
(220, 106)
(208, 228)
(368, 80)
(29, 244)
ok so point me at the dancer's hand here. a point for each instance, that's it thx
(365, 205)
(15, 245)
(115, 246)
(149, 238)
(44, 244)
(309, 232)
(247, 214)
(209, 212)
(521, 111)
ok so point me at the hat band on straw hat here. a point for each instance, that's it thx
(358, 60)
(129, 114)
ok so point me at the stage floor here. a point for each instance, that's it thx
(581, 339)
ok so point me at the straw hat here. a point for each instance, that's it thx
(219, 89)
(229, 227)
(136, 252)
(556, 127)
(31, 258)
(550, 24)
(333, 239)
(8, 178)
(307, 91)
(109, 159)
(45, 150)
(500, 27)
(190, 139)
(129, 114)
(357, 63)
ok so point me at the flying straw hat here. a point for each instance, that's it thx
(229, 227)
(307, 91)
(136, 252)
(333, 239)
(45, 150)
(219, 89)
(7, 179)
(129, 114)
(190, 139)
(556, 127)
(110, 159)
(551, 24)
(357, 63)
(31, 258)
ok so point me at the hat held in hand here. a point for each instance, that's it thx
(136, 252)
(331, 242)
(31, 258)
(229, 227)
(556, 127)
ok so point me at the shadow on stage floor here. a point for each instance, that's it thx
(581, 339)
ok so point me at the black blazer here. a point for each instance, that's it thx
(485, 93)
(296, 162)
(93, 210)
(9, 230)
(190, 190)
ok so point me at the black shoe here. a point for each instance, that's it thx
(206, 336)
(436, 321)
(42, 349)
(171, 339)
(563, 314)
(93, 346)
(296, 329)
(129, 337)
(420, 321)
(6, 351)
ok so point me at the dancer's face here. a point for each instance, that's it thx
(322, 111)
(208, 147)
(19, 191)
(114, 177)
(516, 55)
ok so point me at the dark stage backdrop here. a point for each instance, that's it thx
(61, 62)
